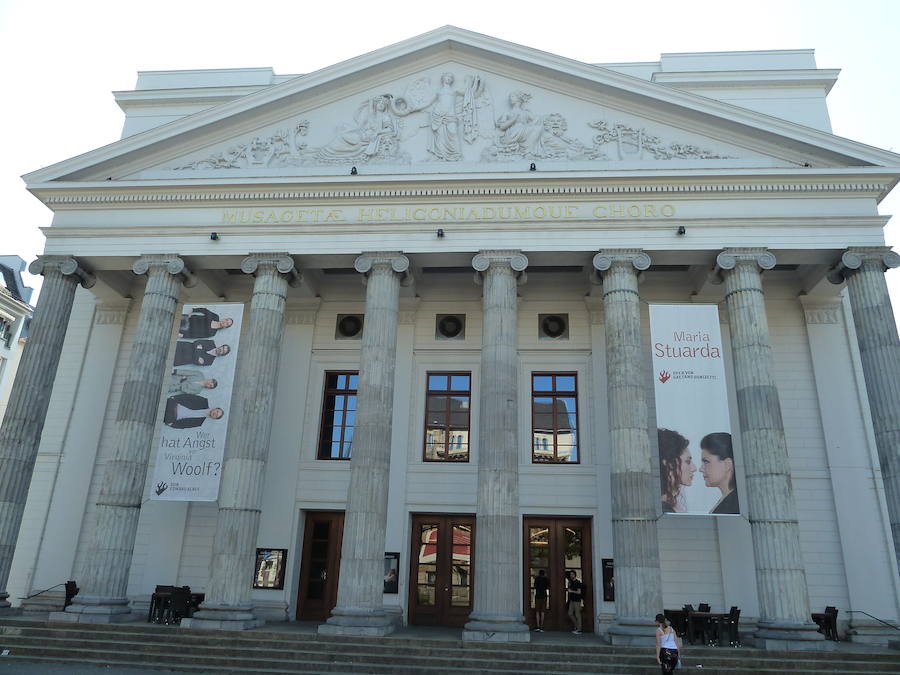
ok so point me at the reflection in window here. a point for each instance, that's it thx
(447, 412)
(338, 415)
(554, 418)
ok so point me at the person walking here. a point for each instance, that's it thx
(667, 644)
(575, 590)
(541, 588)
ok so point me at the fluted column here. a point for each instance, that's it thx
(20, 433)
(634, 492)
(103, 596)
(497, 612)
(780, 572)
(228, 604)
(879, 350)
(360, 601)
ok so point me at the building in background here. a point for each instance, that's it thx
(15, 313)
(443, 255)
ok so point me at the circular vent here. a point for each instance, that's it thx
(349, 325)
(450, 326)
(553, 326)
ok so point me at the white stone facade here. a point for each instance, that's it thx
(519, 151)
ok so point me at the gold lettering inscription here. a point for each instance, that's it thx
(450, 214)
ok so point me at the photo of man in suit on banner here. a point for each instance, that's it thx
(195, 417)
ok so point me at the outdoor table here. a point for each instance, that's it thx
(708, 624)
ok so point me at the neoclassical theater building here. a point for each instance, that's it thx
(439, 261)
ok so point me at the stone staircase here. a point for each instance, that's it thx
(262, 651)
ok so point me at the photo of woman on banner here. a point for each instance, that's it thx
(676, 470)
(717, 468)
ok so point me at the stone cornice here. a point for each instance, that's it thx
(250, 190)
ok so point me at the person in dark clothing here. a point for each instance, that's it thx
(201, 323)
(198, 352)
(575, 591)
(541, 588)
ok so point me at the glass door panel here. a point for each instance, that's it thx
(441, 568)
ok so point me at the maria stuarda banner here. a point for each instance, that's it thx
(697, 472)
(198, 386)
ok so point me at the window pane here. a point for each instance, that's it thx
(353, 382)
(437, 403)
(437, 382)
(565, 383)
(542, 382)
(543, 423)
(351, 402)
(336, 402)
(460, 382)
(565, 453)
(459, 403)
(459, 420)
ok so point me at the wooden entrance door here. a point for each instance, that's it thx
(557, 545)
(441, 564)
(320, 565)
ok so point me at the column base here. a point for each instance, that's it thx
(773, 635)
(358, 622)
(483, 627)
(223, 617)
(632, 631)
(94, 609)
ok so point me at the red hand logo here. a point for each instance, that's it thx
(664, 376)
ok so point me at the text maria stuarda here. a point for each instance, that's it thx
(688, 345)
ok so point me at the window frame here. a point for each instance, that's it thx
(449, 433)
(554, 393)
(326, 391)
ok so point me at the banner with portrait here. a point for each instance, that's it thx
(198, 387)
(697, 471)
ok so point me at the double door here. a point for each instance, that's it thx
(441, 562)
(558, 545)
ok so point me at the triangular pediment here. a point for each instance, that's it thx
(457, 102)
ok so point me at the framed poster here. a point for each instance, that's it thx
(391, 565)
(270, 568)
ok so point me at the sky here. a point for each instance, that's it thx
(62, 59)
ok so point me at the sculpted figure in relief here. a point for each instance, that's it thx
(373, 136)
(452, 113)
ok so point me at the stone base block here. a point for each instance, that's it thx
(772, 644)
(52, 601)
(357, 631)
(632, 631)
(222, 624)
(358, 621)
(10, 611)
(224, 617)
(495, 636)
(486, 627)
(95, 617)
(96, 609)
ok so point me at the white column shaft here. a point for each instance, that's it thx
(20, 433)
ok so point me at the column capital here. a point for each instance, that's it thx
(515, 259)
(66, 264)
(854, 257)
(605, 259)
(398, 262)
(730, 257)
(280, 262)
(173, 264)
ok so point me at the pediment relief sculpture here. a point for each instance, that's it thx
(448, 123)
